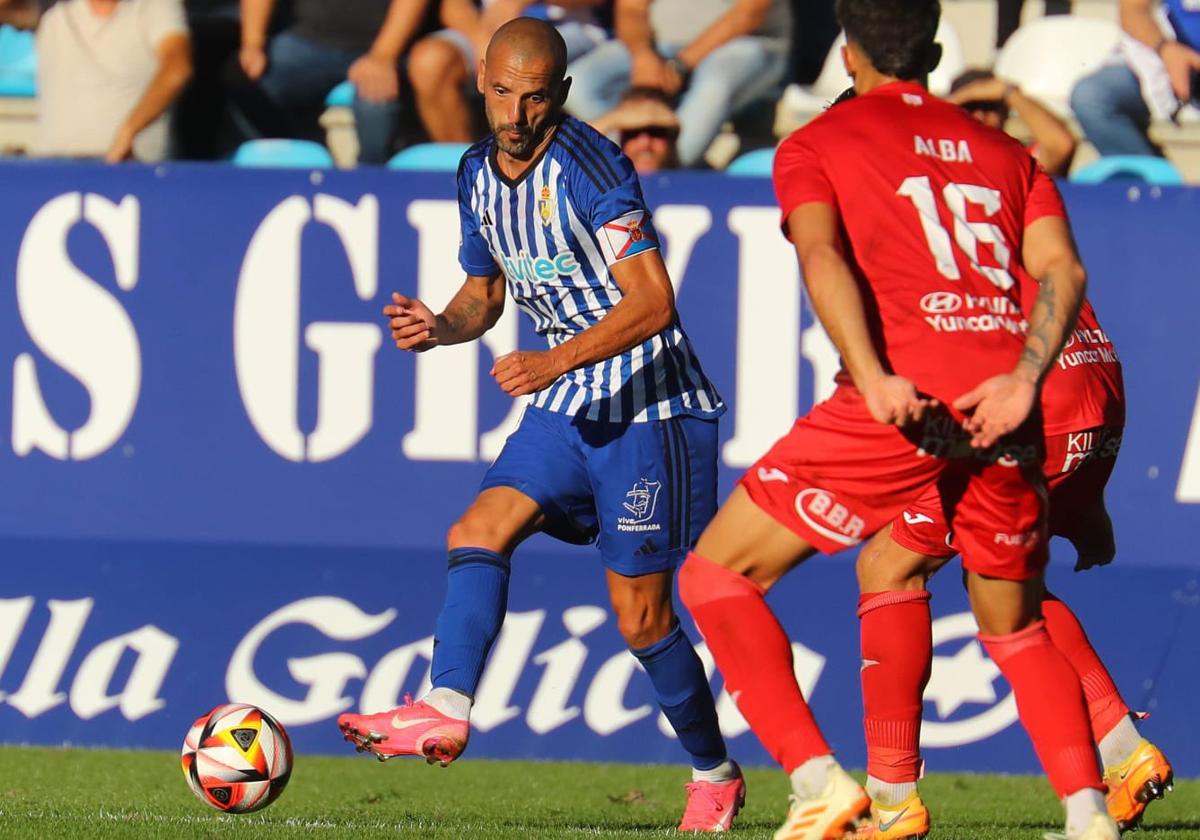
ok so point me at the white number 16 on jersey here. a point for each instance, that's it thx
(968, 235)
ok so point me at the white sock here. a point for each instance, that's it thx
(1081, 806)
(726, 771)
(889, 793)
(810, 779)
(1120, 742)
(449, 702)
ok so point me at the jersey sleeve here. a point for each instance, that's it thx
(473, 253)
(1044, 198)
(608, 188)
(799, 178)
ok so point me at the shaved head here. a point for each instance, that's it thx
(523, 81)
(527, 39)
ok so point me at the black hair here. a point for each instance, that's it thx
(897, 35)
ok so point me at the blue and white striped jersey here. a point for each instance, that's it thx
(554, 233)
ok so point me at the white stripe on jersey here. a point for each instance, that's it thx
(530, 227)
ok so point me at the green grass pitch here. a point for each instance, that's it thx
(93, 794)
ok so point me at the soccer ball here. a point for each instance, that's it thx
(237, 758)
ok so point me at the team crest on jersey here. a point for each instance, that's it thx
(627, 236)
(546, 206)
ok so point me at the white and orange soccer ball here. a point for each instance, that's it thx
(237, 758)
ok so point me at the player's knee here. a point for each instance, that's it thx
(641, 620)
(884, 566)
(475, 531)
(435, 64)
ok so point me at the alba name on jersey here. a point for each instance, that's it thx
(554, 233)
(934, 207)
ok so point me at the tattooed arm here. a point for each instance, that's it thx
(1002, 403)
(474, 310)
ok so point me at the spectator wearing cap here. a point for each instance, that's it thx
(646, 129)
(991, 100)
(108, 72)
(365, 41)
(717, 56)
(1152, 75)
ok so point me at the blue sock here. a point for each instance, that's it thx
(683, 693)
(476, 601)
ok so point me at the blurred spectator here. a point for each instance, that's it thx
(1008, 16)
(646, 129)
(718, 56)
(814, 29)
(990, 100)
(364, 41)
(443, 66)
(1153, 73)
(108, 71)
(201, 128)
(21, 14)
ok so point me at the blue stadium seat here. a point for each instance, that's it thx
(341, 96)
(430, 157)
(755, 164)
(283, 154)
(18, 63)
(1146, 168)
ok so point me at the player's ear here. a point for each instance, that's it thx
(564, 88)
(849, 60)
(479, 74)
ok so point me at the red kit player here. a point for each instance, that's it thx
(1083, 406)
(915, 227)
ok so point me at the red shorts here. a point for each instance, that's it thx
(838, 476)
(1077, 467)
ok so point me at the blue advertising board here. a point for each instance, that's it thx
(222, 482)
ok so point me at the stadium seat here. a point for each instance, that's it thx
(753, 164)
(18, 63)
(1046, 57)
(834, 79)
(283, 154)
(341, 96)
(429, 157)
(1145, 168)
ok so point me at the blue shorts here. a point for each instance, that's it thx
(645, 490)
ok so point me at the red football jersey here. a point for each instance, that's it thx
(1084, 389)
(933, 207)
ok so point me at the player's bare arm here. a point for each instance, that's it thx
(474, 310)
(646, 308)
(838, 303)
(1002, 403)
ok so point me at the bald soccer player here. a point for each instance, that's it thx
(619, 443)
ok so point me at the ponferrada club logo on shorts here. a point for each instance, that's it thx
(640, 501)
(822, 512)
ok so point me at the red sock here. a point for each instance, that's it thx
(755, 656)
(1051, 705)
(1105, 706)
(897, 652)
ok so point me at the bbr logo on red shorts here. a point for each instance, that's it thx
(821, 511)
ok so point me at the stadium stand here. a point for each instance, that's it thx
(283, 154)
(429, 157)
(1046, 57)
(755, 164)
(1152, 170)
(18, 89)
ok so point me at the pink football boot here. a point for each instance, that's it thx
(412, 729)
(711, 806)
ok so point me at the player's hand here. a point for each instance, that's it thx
(413, 325)
(1180, 60)
(648, 70)
(253, 61)
(894, 400)
(375, 78)
(525, 372)
(999, 405)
